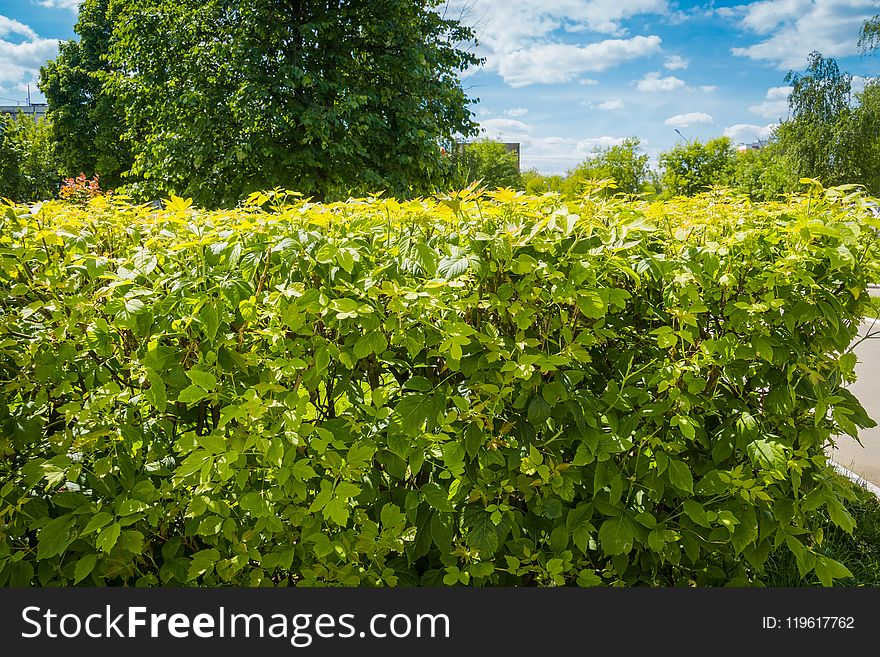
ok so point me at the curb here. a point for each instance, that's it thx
(857, 479)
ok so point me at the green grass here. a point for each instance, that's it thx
(859, 551)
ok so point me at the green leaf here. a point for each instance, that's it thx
(202, 379)
(54, 537)
(695, 511)
(210, 318)
(616, 536)
(84, 567)
(156, 393)
(680, 476)
(587, 578)
(437, 496)
(828, 570)
(97, 521)
(108, 537)
(481, 535)
(767, 454)
(412, 412)
(191, 394)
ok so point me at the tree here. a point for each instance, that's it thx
(535, 182)
(490, 162)
(623, 163)
(694, 167)
(764, 174)
(87, 124)
(28, 165)
(814, 136)
(224, 97)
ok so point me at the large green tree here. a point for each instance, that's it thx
(623, 163)
(694, 167)
(86, 121)
(814, 138)
(223, 97)
(488, 161)
(28, 163)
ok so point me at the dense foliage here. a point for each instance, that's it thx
(85, 116)
(479, 390)
(488, 162)
(694, 167)
(623, 163)
(28, 160)
(221, 98)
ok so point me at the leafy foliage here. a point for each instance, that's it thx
(489, 162)
(87, 123)
(28, 162)
(694, 167)
(494, 389)
(222, 98)
(624, 164)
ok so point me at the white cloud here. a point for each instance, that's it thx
(746, 133)
(516, 111)
(557, 62)
(708, 88)
(22, 57)
(794, 28)
(588, 82)
(11, 26)
(610, 105)
(652, 82)
(775, 103)
(676, 62)
(689, 119)
(497, 128)
(514, 37)
(587, 145)
(73, 5)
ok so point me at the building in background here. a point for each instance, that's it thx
(754, 146)
(37, 111)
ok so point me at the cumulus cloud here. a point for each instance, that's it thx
(676, 62)
(610, 105)
(586, 145)
(794, 28)
(746, 133)
(516, 111)
(559, 62)
(775, 104)
(515, 36)
(22, 54)
(652, 82)
(73, 5)
(498, 127)
(689, 119)
(708, 88)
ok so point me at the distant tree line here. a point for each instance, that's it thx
(831, 134)
(215, 99)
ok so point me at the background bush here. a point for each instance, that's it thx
(492, 389)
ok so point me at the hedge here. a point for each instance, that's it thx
(480, 389)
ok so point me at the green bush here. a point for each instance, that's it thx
(494, 389)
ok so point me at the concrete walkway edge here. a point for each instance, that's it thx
(852, 476)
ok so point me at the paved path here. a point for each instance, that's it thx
(864, 460)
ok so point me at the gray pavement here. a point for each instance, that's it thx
(864, 460)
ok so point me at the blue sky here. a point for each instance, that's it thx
(563, 76)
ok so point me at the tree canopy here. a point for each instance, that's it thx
(488, 161)
(623, 163)
(694, 167)
(86, 122)
(224, 97)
